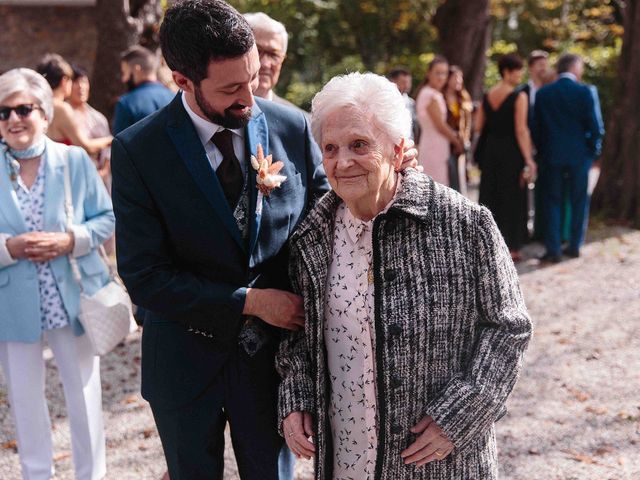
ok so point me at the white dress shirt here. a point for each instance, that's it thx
(532, 93)
(206, 129)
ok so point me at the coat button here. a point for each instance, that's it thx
(390, 275)
(396, 429)
(396, 381)
(395, 329)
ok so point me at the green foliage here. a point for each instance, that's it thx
(330, 37)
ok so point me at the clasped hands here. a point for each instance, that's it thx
(431, 443)
(40, 246)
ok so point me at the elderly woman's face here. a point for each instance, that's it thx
(358, 159)
(22, 132)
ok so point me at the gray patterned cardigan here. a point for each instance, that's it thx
(450, 321)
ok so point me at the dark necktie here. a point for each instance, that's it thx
(229, 172)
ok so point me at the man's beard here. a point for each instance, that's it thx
(130, 84)
(226, 119)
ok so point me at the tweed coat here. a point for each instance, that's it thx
(451, 328)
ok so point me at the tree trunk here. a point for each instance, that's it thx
(618, 192)
(117, 31)
(464, 33)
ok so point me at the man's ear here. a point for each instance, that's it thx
(183, 82)
(398, 154)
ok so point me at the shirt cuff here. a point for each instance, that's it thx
(5, 257)
(82, 245)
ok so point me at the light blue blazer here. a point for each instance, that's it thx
(93, 221)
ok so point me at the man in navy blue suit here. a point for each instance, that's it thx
(204, 253)
(567, 137)
(146, 95)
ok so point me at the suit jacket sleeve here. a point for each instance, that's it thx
(474, 398)
(147, 267)
(594, 122)
(317, 182)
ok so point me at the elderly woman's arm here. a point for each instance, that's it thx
(474, 398)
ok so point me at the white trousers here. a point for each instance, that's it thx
(79, 369)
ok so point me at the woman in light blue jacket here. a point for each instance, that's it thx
(39, 298)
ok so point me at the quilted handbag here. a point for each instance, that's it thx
(106, 316)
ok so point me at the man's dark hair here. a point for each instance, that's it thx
(54, 68)
(537, 55)
(195, 32)
(509, 62)
(396, 72)
(138, 55)
(79, 72)
(566, 62)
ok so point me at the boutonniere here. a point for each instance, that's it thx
(267, 178)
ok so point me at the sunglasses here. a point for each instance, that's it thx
(23, 111)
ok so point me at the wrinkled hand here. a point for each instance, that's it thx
(276, 307)
(410, 156)
(431, 444)
(297, 429)
(40, 246)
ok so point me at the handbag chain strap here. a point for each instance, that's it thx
(68, 208)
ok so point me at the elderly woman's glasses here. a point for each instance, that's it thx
(23, 111)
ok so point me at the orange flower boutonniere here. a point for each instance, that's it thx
(267, 178)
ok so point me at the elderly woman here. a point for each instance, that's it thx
(415, 323)
(39, 297)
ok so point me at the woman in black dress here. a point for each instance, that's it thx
(504, 153)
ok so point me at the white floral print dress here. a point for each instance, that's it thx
(349, 338)
(31, 203)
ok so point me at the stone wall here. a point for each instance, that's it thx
(27, 33)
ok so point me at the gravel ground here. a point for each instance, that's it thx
(574, 415)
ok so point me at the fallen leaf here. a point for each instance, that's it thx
(580, 457)
(10, 445)
(578, 394)
(61, 456)
(596, 410)
(130, 399)
(534, 451)
(148, 432)
(605, 450)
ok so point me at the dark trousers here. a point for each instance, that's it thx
(245, 395)
(554, 178)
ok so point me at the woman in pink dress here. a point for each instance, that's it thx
(436, 137)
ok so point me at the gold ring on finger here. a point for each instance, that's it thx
(290, 434)
(439, 453)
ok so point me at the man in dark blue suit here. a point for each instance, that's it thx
(146, 95)
(567, 136)
(204, 253)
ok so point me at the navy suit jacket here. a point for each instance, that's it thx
(145, 99)
(566, 130)
(180, 252)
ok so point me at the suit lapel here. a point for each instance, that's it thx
(257, 133)
(54, 158)
(185, 139)
(9, 207)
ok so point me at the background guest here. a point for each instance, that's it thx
(401, 76)
(436, 136)
(38, 292)
(459, 115)
(138, 67)
(90, 121)
(429, 393)
(63, 127)
(272, 40)
(505, 153)
(567, 133)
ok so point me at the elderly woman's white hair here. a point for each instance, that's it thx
(25, 80)
(262, 21)
(375, 97)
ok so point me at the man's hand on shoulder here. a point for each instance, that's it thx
(276, 307)
(410, 157)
